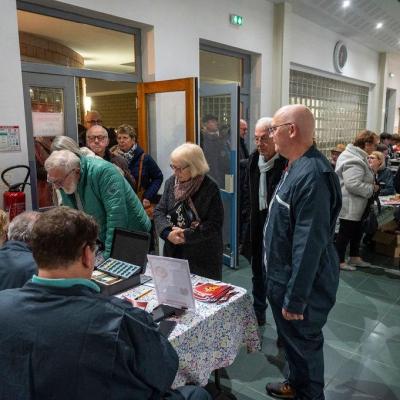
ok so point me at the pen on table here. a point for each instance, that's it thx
(143, 294)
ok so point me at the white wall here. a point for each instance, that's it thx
(312, 46)
(393, 65)
(11, 96)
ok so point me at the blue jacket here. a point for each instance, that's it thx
(299, 254)
(152, 176)
(386, 181)
(107, 196)
(16, 264)
(69, 343)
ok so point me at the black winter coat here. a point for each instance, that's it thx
(253, 246)
(203, 247)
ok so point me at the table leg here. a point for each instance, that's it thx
(216, 390)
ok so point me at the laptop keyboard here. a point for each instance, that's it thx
(119, 269)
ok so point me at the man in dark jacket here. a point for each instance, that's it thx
(302, 266)
(97, 140)
(60, 339)
(265, 166)
(16, 261)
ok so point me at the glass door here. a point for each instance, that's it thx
(219, 118)
(49, 111)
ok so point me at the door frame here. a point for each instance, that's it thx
(187, 85)
(67, 83)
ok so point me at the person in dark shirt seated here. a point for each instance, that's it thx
(60, 339)
(16, 261)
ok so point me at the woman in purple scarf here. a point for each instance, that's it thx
(190, 214)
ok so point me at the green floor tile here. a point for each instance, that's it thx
(344, 337)
(370, 377)
(365, 319)
(381, 288)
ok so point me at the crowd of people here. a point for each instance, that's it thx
(291, 197)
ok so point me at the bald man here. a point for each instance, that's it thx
(302, 266)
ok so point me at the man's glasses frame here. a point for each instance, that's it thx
(60, 182)
(99, 138)
(272, 129)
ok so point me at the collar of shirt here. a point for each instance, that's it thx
(65, 283)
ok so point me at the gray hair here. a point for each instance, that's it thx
(263, 123)
(21, 226)
(64, 159)
(65, 143)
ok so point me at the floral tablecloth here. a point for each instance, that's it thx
(209, 337)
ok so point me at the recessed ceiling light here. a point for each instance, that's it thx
(379, 25)
(346, 3)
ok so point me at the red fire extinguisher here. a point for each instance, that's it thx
(14, 198)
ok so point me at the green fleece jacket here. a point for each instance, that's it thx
(106, 195)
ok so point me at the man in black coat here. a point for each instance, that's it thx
(264, 171)
(16, 260)
(61, 339)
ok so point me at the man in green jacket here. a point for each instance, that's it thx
(95, 186)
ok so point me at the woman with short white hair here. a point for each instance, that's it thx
(190, 214)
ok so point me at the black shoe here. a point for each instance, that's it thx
(281, 390)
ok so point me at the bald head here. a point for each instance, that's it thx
(293, 131)
(302, 117)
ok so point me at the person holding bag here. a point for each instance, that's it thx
(144, 170)
(189, 216)
(358, 187)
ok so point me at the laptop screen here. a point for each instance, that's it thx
(131, 247)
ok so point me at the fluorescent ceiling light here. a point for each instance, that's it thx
(346, 3)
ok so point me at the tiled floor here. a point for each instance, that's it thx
(362, 341)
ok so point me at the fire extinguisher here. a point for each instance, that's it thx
(14, 198)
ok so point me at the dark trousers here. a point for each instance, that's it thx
(349, 232)
(259, 291)
(303, 345)
(257, 265)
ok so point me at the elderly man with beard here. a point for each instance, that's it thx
(95, 186)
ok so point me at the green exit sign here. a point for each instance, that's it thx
(236, 19)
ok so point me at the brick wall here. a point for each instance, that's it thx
(116, 109)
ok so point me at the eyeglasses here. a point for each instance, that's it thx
(262, 139)
(272, 129)
(60, 182)
(99, 138)
(94, 121)
(178, 169)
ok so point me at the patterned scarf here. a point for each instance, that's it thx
(130, 154)
(184, 190)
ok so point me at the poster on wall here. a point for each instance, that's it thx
(9, 138)
(47, 123)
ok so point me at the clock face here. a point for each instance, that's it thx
(339, 56)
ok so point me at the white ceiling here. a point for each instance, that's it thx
(356, 22)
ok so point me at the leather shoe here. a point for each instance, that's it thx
(281, 390)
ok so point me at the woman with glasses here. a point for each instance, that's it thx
(144, 170)
(358, 187)
(190, 214)
(383, 175)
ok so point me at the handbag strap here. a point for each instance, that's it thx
(191, 205)
(139, 184)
